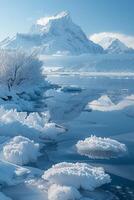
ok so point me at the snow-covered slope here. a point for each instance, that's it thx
(54, 35)
(118, 47)
(106, 42)
(114, 45)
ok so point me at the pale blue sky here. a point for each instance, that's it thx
(92, 15)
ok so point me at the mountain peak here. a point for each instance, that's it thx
(56, 34)
(117, 46)
(114, 45)
(45, 20)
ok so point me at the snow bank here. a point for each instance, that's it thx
(11, 174)
(105, 104)
(97, 147)
(57, 192)
(3, 197)
(21, 150)
(78, 175)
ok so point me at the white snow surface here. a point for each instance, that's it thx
(3, 197)
(78, 175)
(105, 104)
(57, 192)
(101, 148)
(20, 150)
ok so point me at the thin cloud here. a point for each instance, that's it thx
(126, 39)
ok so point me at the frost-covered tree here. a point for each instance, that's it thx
(19, 70)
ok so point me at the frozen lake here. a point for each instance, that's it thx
(67, 108)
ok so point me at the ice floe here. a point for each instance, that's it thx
(33, 126)
(105, 104)
(78, 175)
(100, 148)
(21, 150)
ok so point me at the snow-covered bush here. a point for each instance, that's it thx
(20, 150)
(78, 175)
(97, 147)
(19, 70)
(57, 192)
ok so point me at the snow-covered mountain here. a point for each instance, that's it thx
(118, 47)
(106, 42)
(54, 35)
(115, 46)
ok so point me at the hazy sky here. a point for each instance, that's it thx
(92, 15)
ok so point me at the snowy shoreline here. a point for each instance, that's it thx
(48, 72)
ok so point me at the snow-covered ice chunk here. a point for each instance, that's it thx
(34, 126)
(105, 104)
(57, 192)
(78, 175)
(3, 197)
(31, 120)
(100, 148)
(21, 150)
(11, 174)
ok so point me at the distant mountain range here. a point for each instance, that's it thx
(58, 34)
(115, 46)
